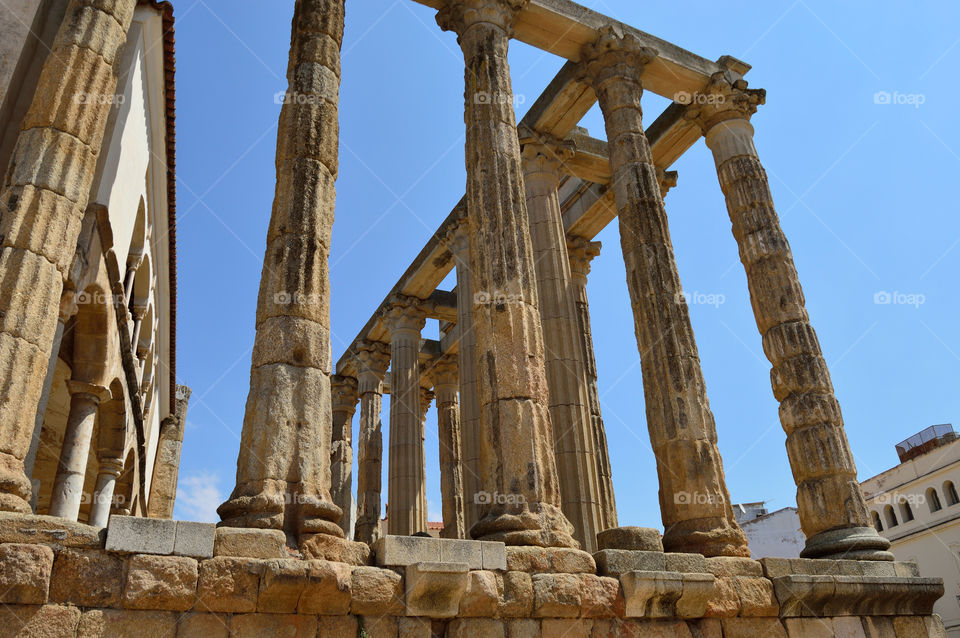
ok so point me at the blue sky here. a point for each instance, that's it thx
(864, 191)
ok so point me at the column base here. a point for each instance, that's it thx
(537, 524)
(15, 489)
(849, 543)
(708, 536)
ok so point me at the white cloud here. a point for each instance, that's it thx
(198, 497)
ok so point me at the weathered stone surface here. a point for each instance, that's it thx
(579, 628)
(536, 560)
(380, 626)
(229, 584)
(556, 595)
(733, 566)
(161, 582)
(310, 587)
(494, 555)
(725, 602)
(250, 543)
(414, 628)
(615, 562)
(601, 597)
(676, 562)
(194, 539)
(137, 535)
(201, 625)
(753, 628)
(48, 621)
(376, 592)
(516, 594)
(400, 551)
(25, 572)
(850, 627)
(522, 628)
(476, 628)
(49, 530)
(338, 550)
(480, 598)
(434, 590)
(87, 578)
(756, 596)
(634, 538)
(462, 551)
(111, 623)
(337, 626)
(651, 594)
(269, 625)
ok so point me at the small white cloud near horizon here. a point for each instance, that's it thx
(198, 497)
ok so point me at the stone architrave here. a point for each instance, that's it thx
(344, 405)
(405, 319)
(459, 242)
(831, 506)
(42, 203)
(283, 469)
(543, 156)
(519, 489)
(581, 253)
(445, 373)
(372, 360)
(694, 500)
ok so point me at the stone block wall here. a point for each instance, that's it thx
(184, 580)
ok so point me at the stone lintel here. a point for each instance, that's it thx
(434, 590)
(666, 594)
(802, 595)
(49, 530)
(400, 551)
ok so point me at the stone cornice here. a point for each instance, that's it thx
(724, 100)
(460, 15)
(613, 54)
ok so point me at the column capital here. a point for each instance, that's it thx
(96, 393)
(373, 358)
(542, 152)
(344, 393)
(110, 464)
(445, 370)
(457, 241)
(138, 310)
(614, 54)
(724, 100)
(581, 252)
(666, 180)
(459, 15)
(405, 313)
(68, 305)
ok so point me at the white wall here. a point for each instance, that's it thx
(775, 535)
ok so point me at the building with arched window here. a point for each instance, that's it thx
(915, 505)
(108, 426)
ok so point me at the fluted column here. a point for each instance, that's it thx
(694, 500)
(405, 473)
(426, 398)
(466, 344)
(72, 469)
(581, 253)
(446, 382)
(372, 361)
(283, 470)
(832, 510)
(344, 401)
(574, 447)
(514, 435)
(42, 203)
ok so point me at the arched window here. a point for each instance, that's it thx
(876, 522)
(890, 515)
(933, 501)
(906, 513)
(950, 492)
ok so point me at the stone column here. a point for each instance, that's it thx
(68, 484)
(110, 469)
(283, 470)
(426, 398)
(514, 437)
(166, 468)
(445, 374)
(459, 241)
(42, 203)
(139, 310)
(576, 456)
(581, 253)
(68, 308)
(694, 500)
(405, 470)
(345, 396)
(372, 361)
(832, 510)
